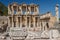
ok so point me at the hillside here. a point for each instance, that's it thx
(3, 9)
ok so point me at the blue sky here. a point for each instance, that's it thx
(44, 5)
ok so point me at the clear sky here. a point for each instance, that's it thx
(44, 5)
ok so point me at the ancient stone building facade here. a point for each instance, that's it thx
(24, 22)
(28, 16)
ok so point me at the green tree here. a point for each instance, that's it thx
(3, 9)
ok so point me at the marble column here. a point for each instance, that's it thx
(34, 21)
(16, 21)
(29, 8)
(26, 21)
(17, 10)
(38, 22)
(26, 10)
(40, 26)
(20, 22)
(9, 11)
(12, 10)
(29, 22)
(37, 10)
(8, 22)
(34, 10)
(43, 26)
(12, 22)
(20, 9)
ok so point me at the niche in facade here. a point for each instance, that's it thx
(27, 21)
(32, 10)
(10, 21)
(15, 9)
(23, 9)
(47, 25)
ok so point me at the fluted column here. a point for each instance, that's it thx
(34, 11)
(26, 10)
(29, 8)
(12, 10)
(17, 10)
(20, 9)
(20, 22)
(40, 26)
(29, 22)
(26, 21)
(43, 26)
(9, 11)
(38, 22)
(34, 22)
(8, 22)
(37, 10)
(12, 22)
(16, 21)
